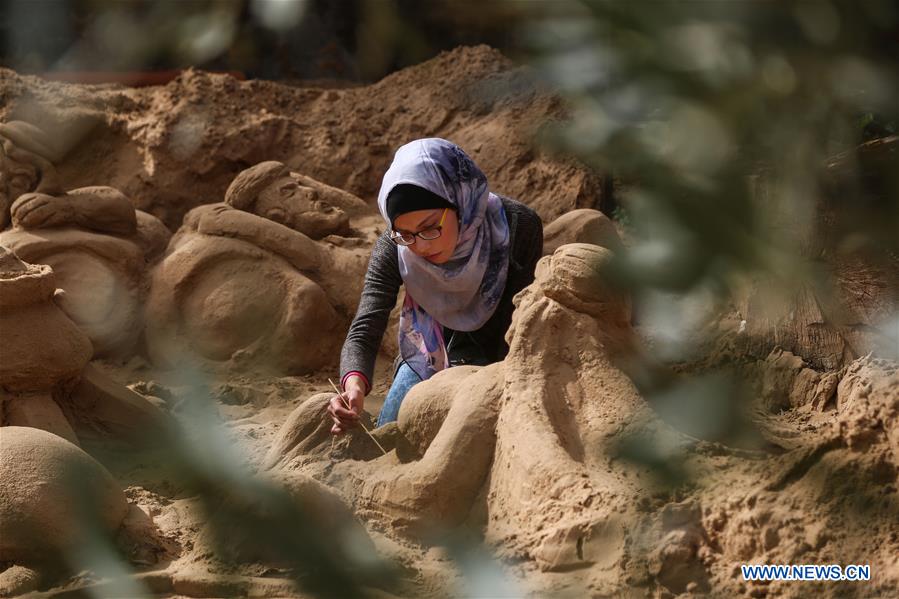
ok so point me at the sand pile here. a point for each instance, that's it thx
(175, 147)
(831, 498)
(39, 515)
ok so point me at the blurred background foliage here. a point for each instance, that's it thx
(755, 155)
(349, 40)
(733, 121)
(753, 144)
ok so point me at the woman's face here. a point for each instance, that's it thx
(436, 251)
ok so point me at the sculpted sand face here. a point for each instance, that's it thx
(245, 284)
(271, 191)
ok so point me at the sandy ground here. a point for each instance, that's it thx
(820, 490)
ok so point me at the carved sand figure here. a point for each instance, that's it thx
(536, 422)
(245, 282)
(53, 495)
(42, 352)
(46, 381)
(528, 451)
(272, 191)
(23, 165)
(583, 225)
(51, 492)
(97, 243)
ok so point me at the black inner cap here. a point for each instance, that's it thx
(407, 197)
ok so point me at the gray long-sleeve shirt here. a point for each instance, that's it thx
(383, 281)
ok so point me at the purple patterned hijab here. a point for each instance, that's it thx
(462, 293)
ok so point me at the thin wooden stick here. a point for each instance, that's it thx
(339, 394)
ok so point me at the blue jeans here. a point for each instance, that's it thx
(404, 379)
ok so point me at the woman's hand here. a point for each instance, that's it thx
(346, 407)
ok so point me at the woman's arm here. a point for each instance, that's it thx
(379, 292)
(357, 358)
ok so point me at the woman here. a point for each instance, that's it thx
(462, 253)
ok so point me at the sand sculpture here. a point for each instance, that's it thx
(45, 379)
(98, 245)
(250, 281)
(537, 423)
(51, 493)
(583, 225)
(23, 165)
(529, 452)
(42, 349)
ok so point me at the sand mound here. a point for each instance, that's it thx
(829, 500)
(49, 491)
(175, 147)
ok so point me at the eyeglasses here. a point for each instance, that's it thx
(429, 234)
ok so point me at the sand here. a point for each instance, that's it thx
(549, 469)
(177, 146)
